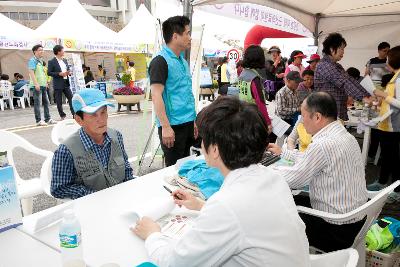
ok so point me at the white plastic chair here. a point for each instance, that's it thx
(7, 93)
(21, 100)
(92, 84)
(371, 209)
(27, 189)
(341, 258)
(63, 129)
(46, 176)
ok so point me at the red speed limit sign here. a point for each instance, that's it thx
(233, 54)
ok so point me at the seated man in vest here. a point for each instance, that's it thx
(94, 158)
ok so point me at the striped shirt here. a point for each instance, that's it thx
(63, 183)
(333, 168)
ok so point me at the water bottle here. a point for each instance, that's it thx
(70, 241)
(365, 114)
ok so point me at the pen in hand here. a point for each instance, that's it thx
(170, 191)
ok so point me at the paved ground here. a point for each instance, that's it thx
(135, 128)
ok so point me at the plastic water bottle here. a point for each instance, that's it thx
(365, 114)
(70, 241)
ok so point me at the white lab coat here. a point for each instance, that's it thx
(251, 221)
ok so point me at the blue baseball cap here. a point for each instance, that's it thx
(89, 101)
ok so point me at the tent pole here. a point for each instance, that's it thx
(188, 12)
(316, 28)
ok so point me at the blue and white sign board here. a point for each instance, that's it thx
(10, 210)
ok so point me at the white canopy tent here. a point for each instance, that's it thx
(363, 23)
(12, 29)
(72, 22)
(141, 29)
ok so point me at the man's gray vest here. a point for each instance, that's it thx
(90, 171)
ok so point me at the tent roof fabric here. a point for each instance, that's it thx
(72, 21)
(363, 23)
(305, 12)
(12, 29)
(141, 29)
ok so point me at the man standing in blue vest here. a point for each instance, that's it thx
(171, 88)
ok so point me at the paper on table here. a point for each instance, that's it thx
(155, 209)
(279, 126)
(368, 84)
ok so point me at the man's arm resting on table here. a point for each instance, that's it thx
(311, 162)
(63, 176)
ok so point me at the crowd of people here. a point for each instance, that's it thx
(252, 220)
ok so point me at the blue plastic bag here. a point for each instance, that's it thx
(208, 179)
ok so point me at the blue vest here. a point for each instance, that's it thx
(178, 96)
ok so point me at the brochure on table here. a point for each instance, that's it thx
(10, 210)
(174, 221)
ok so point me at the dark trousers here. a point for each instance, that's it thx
(390, 157)
(374, 143)
(58, 99)
(326, 236)
(184, 139)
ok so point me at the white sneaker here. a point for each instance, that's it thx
(51, 121)
(41, 123)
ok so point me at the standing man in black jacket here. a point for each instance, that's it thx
(58, 69)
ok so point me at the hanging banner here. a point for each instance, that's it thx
(260, 15)
(10, 43)
(110, 47)
(76, 79)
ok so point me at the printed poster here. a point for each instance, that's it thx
(10, 210)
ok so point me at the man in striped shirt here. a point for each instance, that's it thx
(333, 168)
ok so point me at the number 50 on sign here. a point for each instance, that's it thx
(233, 54)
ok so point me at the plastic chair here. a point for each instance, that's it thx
(371, 209)
(341, 258)
(92, 84)
(21, 100)
(63, 129)
(46, 176)
(7, 93)
(27, 189)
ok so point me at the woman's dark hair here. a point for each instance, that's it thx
(253, 57)
(173, 25)
(4, 77)
(89, 75)
(15, 74)
(334, 41)
(131, 64)
(237, 128)
(36, 47)
(307, 72)
(353, 72)
(291, 59)
(323, 103)
(57, 49)
(19, 76)
(394, 57)
(386, 79)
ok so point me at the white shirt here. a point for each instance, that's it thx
(333, 167)
(251, 221)
(62, 66)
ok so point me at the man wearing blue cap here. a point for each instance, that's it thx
(94, 158)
